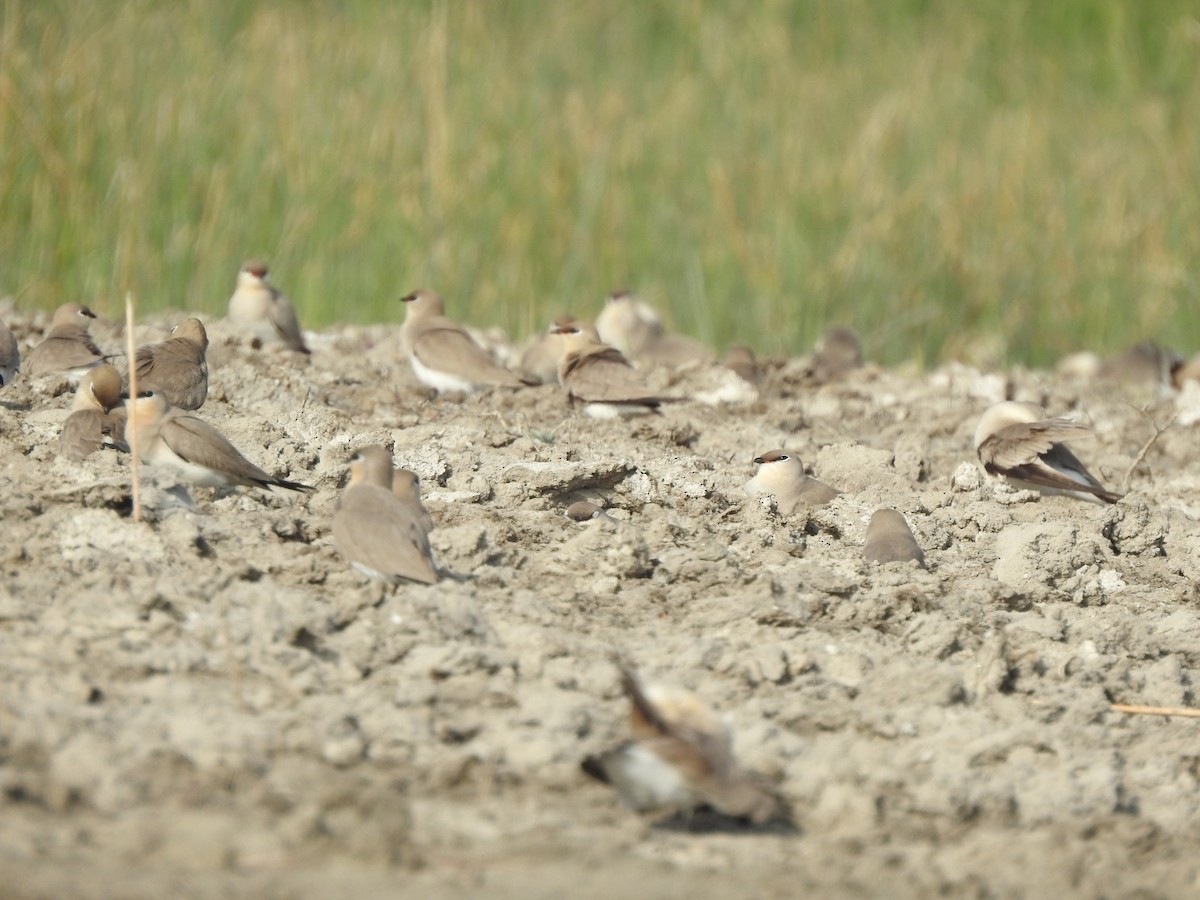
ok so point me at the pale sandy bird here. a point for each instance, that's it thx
(1016, 441)
(600, 377)
(192, 448)
(264, 310)
(584, 512)
(97, 418)
(837, 352)
(541, 357)
(177, 366)
(782, 476)
(380, 534)
(681, 758)
(67, 348)
(634, 328)
(443, 355)
(10, 356)
(742, 362)
(406, 485)
(889, 539)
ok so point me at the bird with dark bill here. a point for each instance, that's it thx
(97, 418)
(191, 448)
(781, 475)
(380, 534)
(177, 366)
(1017, 442)
(67, 347)
(680, 758)
(442, 354)
(263, 310)
(601, 378)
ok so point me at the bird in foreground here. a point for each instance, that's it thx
(889, 539)
(267, 313)
(1016, 441)
(192, 448)
(67, 347)
(97, 418)
(584, 512)
(781, 475)
(380, 534)
(600, 377)
(176, 366)
(634, 328)
(443, 355)
(680, 758)
(10, 356)
(406, 485)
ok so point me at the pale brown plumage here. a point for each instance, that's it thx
(67, 347)
(681, 757)
(378, 533)
(406, 486)
(97, 419)
(1016, 441)
(634, 328)
(177, 366)
(443, 355)
(10, 356)
(264, 310)
(781, 475)
(889, 539)
(192, 448)
(601, 377)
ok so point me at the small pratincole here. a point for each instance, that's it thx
(601, 378)
(889, 539)
(680, 758)
(443, 356)
(1017, 442)
(380, 533)
(267, 314)
(192, 448)
(782, 476)
(177, 366)
(97, 418)
(67, 348)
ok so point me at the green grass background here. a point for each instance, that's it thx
(940, 174)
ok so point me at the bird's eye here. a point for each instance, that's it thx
(781, 457)
(145, 394)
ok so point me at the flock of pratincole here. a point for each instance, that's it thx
(680, 755)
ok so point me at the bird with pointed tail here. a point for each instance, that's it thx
(781, 475)
(442, 354)
(680, 758)
(67, 348)
(601, 378)
(97, 418)
(191, 448)
(1017, 442)
(263, 310)
(379, 533)
(177, 366)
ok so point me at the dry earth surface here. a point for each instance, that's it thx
(211, 703)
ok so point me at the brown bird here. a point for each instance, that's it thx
(584, 512)
(192, 448)
(10, 356)
(681, 758)
(838, 351)
(1017, 442)
(97, 419)
(600, 377)
(406, 486)
(889, 539)
(267, 313)
(177, 366)
(378, 533)
(442, 354)
(67, 347)
(540, 360)
(781, 475)
(742, 362)
(634, 328)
